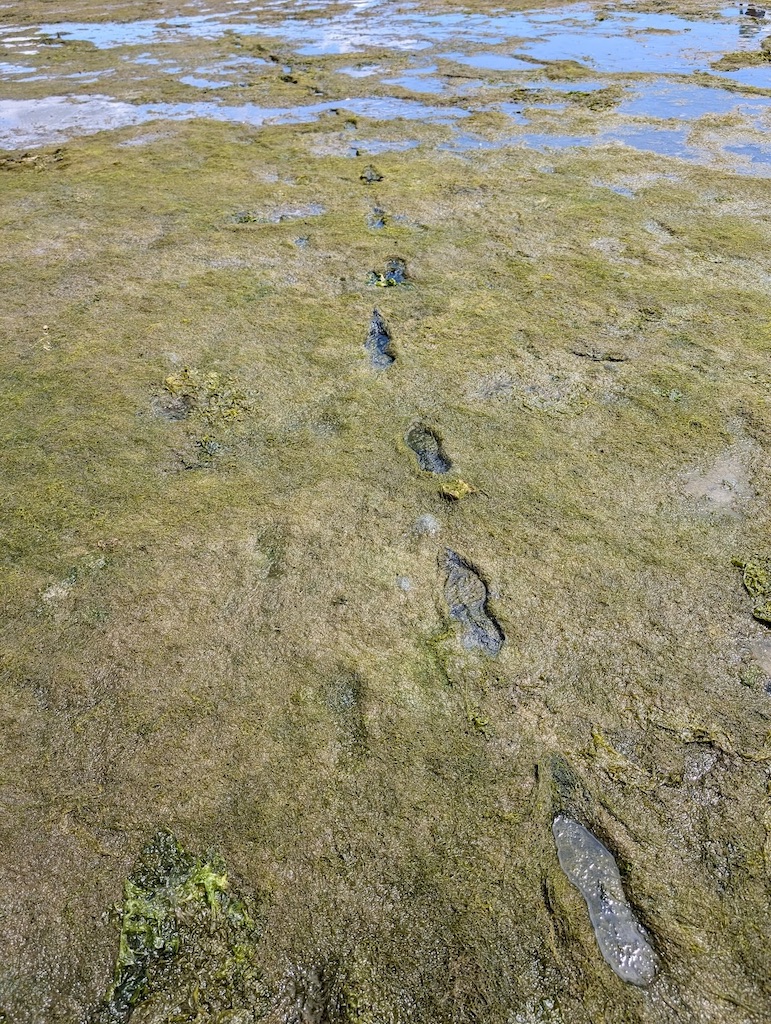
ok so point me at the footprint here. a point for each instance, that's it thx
(395, 273)
(376, 219)
(172, 407)
(378, 342)
(721, 485)
(592, 869)
(345, 699)
(466, 595)
(369, 175)
(311, 994)
(427, 447)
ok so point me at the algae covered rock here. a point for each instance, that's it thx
(457, 489)
(591, 868)
(756, 576)
(466, 595)
(187, 944)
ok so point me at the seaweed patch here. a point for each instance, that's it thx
(184, 938)
(756, 576)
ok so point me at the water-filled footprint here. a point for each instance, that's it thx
(466, 595)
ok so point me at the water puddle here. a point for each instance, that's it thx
(279, 215)
(757, 77)
(544, 142)
(203, 83)
(514, 110)
(418, 80)
(490, 61)
(464, 142)
(671, 142)
(587, 85)
(620, 190)
(105, 35)
(755, 153)
(664, 141)
(25, 123)
(362, 72)
(14, 69)
(624, 41)
(372, 147)
(683, 102)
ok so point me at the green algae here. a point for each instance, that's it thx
(187, 945)
(743, 59)
(756, 576)
(217, 398)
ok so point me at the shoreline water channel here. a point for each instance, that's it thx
(385, 515)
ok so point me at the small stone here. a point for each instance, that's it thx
(455, 490)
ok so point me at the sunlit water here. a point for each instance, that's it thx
(628, 42)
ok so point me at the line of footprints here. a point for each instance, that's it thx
(588, 864)
(465, 591)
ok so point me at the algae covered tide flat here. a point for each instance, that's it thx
(385, 513)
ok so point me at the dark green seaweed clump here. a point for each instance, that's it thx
(187, 945)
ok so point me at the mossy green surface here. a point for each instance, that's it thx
(174, 637)
(187, 948)
(220, 619)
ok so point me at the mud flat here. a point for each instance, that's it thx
(298, 702)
